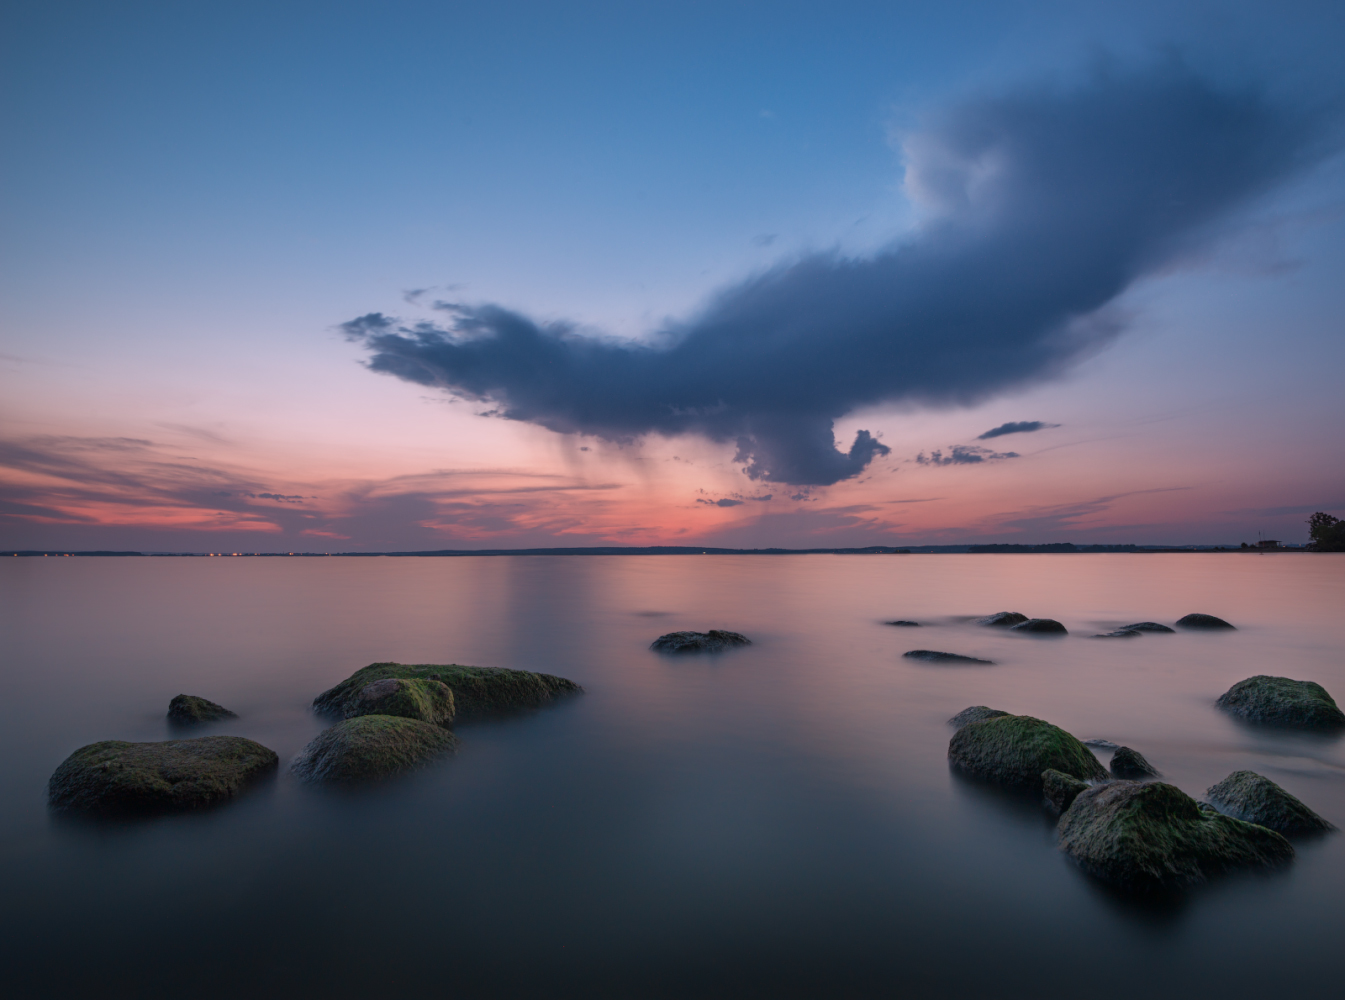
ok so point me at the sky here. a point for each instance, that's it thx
(413, 276)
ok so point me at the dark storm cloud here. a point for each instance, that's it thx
(960, 454)
(1046, 205)
(1014, 427)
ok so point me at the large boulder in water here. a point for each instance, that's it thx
(426, 700)
(114, 776)
(1040, 626)
(371, 746)
(976, 713)
(1203, 621)
(477, 691)
(1015, 749)
(1127, 763)
(1153, 835)
(1282, 701)
(714, 641)
(1248, 796)
(1002, 619)
(187, 710)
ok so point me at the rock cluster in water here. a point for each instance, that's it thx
(1282, 701)
(115, 776)
(935, 656)
(187, 709)
(1014, 750)
(477, 691)
(1248, 796)
(713, 641)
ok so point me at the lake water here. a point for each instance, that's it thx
(778, 821)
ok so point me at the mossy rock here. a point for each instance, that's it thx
(714, 641)
(1127, 763)
(371, 746)
(1203, 621)
(1282, 701)
(976, 713)
(477, 691)
(1015, 749)
(426, 700)
(1060, 789)
(1040, 626)
(1152, 835)
(187, 710)
(1248, 796)
(114, 776)
(1002, 619)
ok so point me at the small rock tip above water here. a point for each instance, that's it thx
(188, 710)
(1203, 621)
(1145, 627)
(1040, 626)
(936, 656)
(1002, 619)
(713, 641)
(1128, 763)
(904, 624)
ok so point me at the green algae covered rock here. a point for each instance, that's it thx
(114, 776)
(1248, 796)
(976, 713)
(1283, 702)
(1060, 789)
(187, 710)
(476, 690)
(426, 700)
(1127, 763)
(371, 746)
(1015, 750)
(1152, 835)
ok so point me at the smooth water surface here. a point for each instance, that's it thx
(778, 821)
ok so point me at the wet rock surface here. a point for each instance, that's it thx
(1014, 750)
(115, 776)
(1203, 621)
(1002, 619)
(713, 641)
(1128, 763)
(937, 656)
(1060, 789)
(1249, 796)
(1040, 626)
(976, 713)
(1282, 701)
(371, 746)
(904, 624)
(1145, 627)
(188, 710)
(1153, 835)
(423, 699)
(477, 691)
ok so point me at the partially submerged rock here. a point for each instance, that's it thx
(1041, 626)
(1203, 621)
(1153, 835)
(713, 641)
(1248, 796)
(187, 710)
(477, 691)
(935, 656)
(1282, 701)
(1120, 633)
(977, 713)
(371, 746)
(115, 776)
(1145, 627)
(1102, 744)
(904, 624)
(1015, 749)
(1060, 789)
(1127, 763)
(1002, 619)
(409, 698)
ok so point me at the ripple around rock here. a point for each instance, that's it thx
(935, 656)
(1248, 796)
(477, 691)
(1014, 750)
(1040, 626)
(1203, 621)
(713, 641)
(115, 776)
(904, 624)
(1282, 701)
(1002, 619)
(1120, 633)
(371, 746)
(976, 713)
(1145, 627)
(1152, 835)
(1127, 763)
(187, 710)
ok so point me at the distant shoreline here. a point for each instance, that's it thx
(1054, 548)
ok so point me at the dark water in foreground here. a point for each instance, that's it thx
(775, 822)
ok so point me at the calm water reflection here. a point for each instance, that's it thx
(776, 822)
